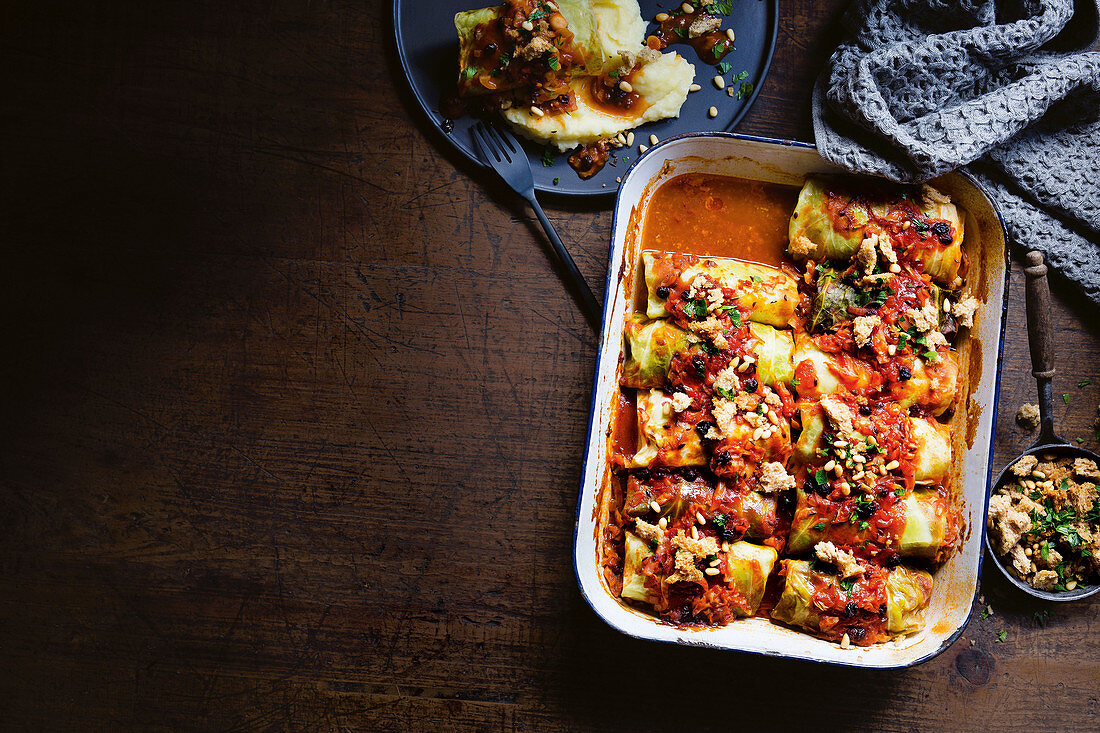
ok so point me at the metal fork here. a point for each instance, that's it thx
(503, 153)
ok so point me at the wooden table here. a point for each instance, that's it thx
(295, 404)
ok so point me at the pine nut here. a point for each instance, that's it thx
(528, 25)
(630, 139)
(661, 17)
(712, 571)
(652, 139)
(719, 82)
(686, 7)
(729, 35)
(694, 88)
(537, 112)
(655, 506)
(712, 112)
(642, 148)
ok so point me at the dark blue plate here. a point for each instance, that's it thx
(428, 47)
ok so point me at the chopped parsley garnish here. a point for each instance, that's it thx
(556, 180)
(820, 477)
(899, 491)
(1041, 617)
(552, 62)
(1002, 636)
(1084, 383)
(680, 32)
(505, 59)
(469, 72)
(720, 7)
(724, 67)
(1079, 440)
(696, 308)
(734, 314)
(717, 49)
(548, 156)
(719, 520)
(847, 585)
(710, 349)
(725, 393)
(744, 90)
(819, 526)
(794, 382)
(1065, 398)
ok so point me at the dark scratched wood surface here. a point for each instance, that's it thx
(294, 408)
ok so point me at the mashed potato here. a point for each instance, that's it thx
(619, 27)
(663, 84)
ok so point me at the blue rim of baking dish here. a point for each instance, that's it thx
(605, 322)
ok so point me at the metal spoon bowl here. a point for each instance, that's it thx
(1040, 338)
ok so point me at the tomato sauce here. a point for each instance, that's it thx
(721, 216)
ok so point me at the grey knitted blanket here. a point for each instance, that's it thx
(922, 87)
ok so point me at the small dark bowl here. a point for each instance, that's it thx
(1081, 591)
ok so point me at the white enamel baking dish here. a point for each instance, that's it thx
(956, 582)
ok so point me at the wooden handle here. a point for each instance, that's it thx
(1040, 335)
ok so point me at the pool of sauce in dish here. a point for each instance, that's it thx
(707, 214)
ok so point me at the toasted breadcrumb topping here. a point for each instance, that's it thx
(863, 327)
(1028, 416)
(964, 311)
(680, 401)
(713, 329)
(688, 552)
(932, 196)
(1084, 468)
(845, 561)
(648, 532)
(926, 319)
(774, 478)
(703, 25)
(1025, 466)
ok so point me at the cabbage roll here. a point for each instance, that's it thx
(907, 594)
(748, 567)
(769, 293)
(933, 448)
(828, 223)
(773, 350)
(652, 346)
(830, 371)
(926, 517)
(481, 74)
(750, 512)
(672, 491)
(662, 439)
(832, 218)
(922, 516)
(637, 551)
(885, 602)
(933, 384)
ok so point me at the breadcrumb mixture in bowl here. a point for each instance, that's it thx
(1044, 522)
